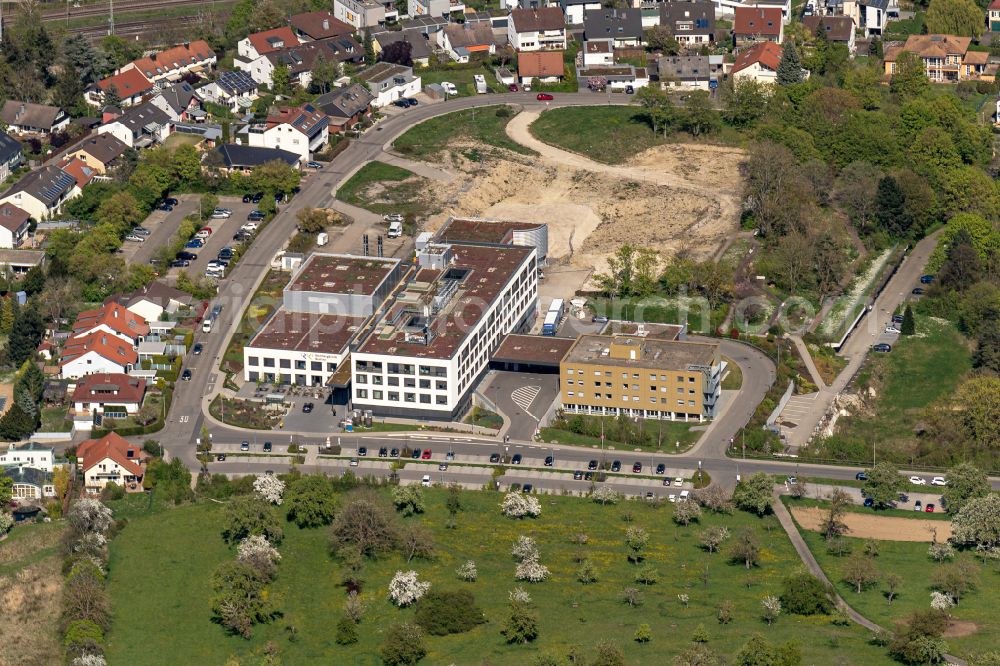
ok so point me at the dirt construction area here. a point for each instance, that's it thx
(668, 198)
(884, 528)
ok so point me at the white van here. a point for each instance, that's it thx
(395, 229)
(426, 481)
(685, 495)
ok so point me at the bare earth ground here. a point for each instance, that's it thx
(30, 601)
(669, 198)
(884, 528)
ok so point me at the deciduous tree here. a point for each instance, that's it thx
(966, 482)
(883, 484)
(754, 494)
(955, 17)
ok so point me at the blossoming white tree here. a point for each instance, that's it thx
(468, 572)
(258, 552)
(772, 608)
(519, 505)
(88, 659)
(524, 548)
(605, 495)
(405, 588)
(531, 570)
(89, 515)
(269, 488)
(941, 601)
(520, 595)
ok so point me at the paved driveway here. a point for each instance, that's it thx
(523, 398)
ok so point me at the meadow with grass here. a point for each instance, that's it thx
(485, 126)
(162, 565)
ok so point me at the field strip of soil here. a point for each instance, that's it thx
(883, 528)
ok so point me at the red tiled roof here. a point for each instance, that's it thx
(767, 54)
(263, 42)
(540, 63)
(77, 168)
(994, 5)
(174, 58)
(303, 118)
(112, 445)
(103, 344)
(757, 21)
(128, 83)
(110, 387)
(115, 316)
(535, 20)
(320, 25)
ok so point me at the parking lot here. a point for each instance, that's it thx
(162, 225)
(222, 234)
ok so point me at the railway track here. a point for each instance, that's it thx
(134, 28)
(102, 9)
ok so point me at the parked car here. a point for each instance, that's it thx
(548, 461)
(527, 489)
(449, 88)
(904, 498)
(678, 482)
(186, 376)
(918, 481)
(165, 207)
(135, 239)
(629, 90)
(226, 253)
(892, 330)
(307, 407)
(247, 198)
(512, 87)
(179, 263)
(426, 481)
(426, 455)
(195, 243)
(578, 475)
(661, 469)
(449, 456)
(917, 506)
(588, 476)
(219, 215)
(141, 231)
(599, 319)
(383, 452)
(929, 509)
(314, 165)
(666, 481)
(362, 451)
(636, 468)
(394, 453)
(869, 502)
(495, 458)
(897, 319)
(221, 457)
(592, 465)
(186, 256)
(919, 291)
(244, 445)
(197, 348)
(354, 462)
(616, 466)
(516, 460)
(171, 201)
(268, 447)
(882, 348)
(544, 97)
(926, 279)
(938, 481)
(416, 454)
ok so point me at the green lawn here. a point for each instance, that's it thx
(55, 419)
(910, 561)
(178, 139)
(903, 28)
(667, 432)
(173, 553)
(483, 126)
(920, 370)
(383, 188)
(734, 376)
(462, 78)
(611, 134)
(662, 310)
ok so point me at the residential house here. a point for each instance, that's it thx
(20, 262)
(129, 85)
(619, 77)
(838, 29)
(14, 223)
(299, 60)
(180, 102)
(94, 353)
(433, 8)
(254, 46)
(11, 155)
(463, 40)
(30, 118)
(993, 16)
(233, 90)
(784, 5)
(541, 66)
(573, 10)
(235, 157)
(420, 49)
(301, 130)
(364, 14)
(42, 193)
(110, 459)
(173, 63)
(113, 395)
(947, 58)
(537, 29)
(690, 72)
(100, 152)
(345, 107)
(622, 26)
(141, 126)
(112, 318)
(389, 82)
(757, 24)
(151, 301)
(598, 53)
(29, 454)
(759, 62)
(871, 16)
(30, 483)
(316, 26)
(690, 23)
(81, 172)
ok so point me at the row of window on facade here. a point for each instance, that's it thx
(399, 368)
(393, 396)
(635, 375)
(625, 398)
(408, 382)
(626, 387)
(286, 364)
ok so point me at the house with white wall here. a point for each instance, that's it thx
(303, 130)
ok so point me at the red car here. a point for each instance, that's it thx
(544, 97)
(512, 87)
(930, 508)
(426, 455)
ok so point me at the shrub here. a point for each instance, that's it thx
(347, 631)
(443, 612)
(403, 645)
(804, 594)
(83, 636)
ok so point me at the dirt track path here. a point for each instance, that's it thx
(518, 130)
